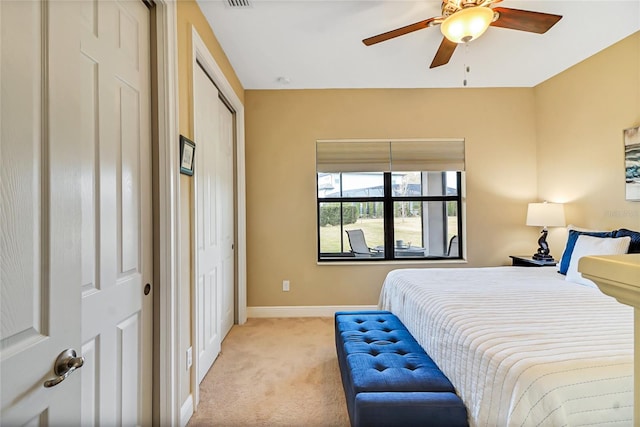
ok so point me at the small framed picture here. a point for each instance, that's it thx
(187, 153)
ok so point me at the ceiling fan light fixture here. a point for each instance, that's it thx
(467, 24)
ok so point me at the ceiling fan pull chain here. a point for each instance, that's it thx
(466, 67)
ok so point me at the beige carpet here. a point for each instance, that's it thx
(275, 372)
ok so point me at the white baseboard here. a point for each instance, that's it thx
(305, 311)
(186, 411)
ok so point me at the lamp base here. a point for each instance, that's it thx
(543, 249)
(543, 257)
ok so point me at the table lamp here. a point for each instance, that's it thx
(545, 215)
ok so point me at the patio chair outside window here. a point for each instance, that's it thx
(453, 247)
(359, 245)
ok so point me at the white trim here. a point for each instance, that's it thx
(194, 373)
(305, 311)
(168, 407)
(186, 411)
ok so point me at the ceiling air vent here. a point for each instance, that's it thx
(239, 4)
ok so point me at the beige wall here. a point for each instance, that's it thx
(281, 129)
(560, 141)
(580, 115)
(189, 16)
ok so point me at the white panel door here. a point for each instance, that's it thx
(116, 213)
(227, 214)
(76, 219)
(208, 268)
(40, 211)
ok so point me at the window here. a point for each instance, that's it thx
(389, 200)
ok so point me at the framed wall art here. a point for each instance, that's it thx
(632, 163)
(187, 155)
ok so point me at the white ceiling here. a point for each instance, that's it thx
(317, 44)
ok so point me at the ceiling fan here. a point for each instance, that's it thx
(466, 20)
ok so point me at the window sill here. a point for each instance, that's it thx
(422, 262)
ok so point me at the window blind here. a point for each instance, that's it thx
(353, 156)
(389, 156)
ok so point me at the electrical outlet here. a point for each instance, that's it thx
(285, 286)
(189, 358)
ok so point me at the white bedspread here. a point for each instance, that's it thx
(522, 346)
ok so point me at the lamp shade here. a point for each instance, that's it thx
(467, 24)
(546, 214)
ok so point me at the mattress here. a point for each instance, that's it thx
(522, 346)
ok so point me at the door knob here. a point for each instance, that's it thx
(65, 364)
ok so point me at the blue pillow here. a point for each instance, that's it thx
(571, 243)
(634, 246)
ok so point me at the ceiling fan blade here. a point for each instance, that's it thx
(398, 32)
(525, 20)
(443, 55)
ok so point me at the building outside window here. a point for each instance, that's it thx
(389, 200)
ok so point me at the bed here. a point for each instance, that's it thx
(522, 346)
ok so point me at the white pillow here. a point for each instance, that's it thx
(574, 228)
(589, 245)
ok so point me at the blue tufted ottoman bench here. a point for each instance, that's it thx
(388, 379)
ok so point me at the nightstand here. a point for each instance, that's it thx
(527, 261)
